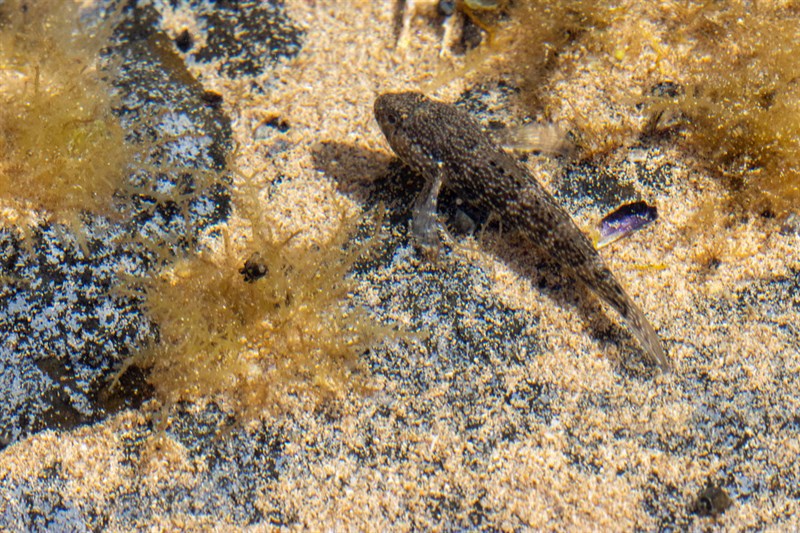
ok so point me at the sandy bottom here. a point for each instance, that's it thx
(523, 408)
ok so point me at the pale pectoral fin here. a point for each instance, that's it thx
(535, 137)
(424, 224)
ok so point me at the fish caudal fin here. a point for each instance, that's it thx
(608, 288)
(647, 337)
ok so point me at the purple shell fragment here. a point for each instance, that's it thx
(625, 220)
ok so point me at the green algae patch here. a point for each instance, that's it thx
(62, 149)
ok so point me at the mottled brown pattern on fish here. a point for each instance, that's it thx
(445, 144)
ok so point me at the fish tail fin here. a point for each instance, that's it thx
(612, 292)
(647, 337)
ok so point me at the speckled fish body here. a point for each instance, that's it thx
(449, 148)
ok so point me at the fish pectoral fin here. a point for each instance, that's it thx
(424, 223)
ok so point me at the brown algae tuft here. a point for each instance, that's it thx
(62, 149)
(741, 102)
(260, 319)
(712, 501)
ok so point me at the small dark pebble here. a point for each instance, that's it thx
(664, 119)
(212, 99)
(791, 224)
(712, 501)
(253, 269)
(446, 7)
(666, 89)
(496, 125)
(471, 35)
(463, 222)
(184, 41)
(278, 124)
(269, 127)
(713, 263)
